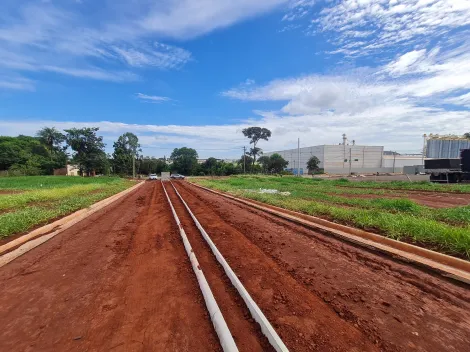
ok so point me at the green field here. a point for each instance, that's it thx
(446, 230)
(26, 202)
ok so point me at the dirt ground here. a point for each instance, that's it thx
(398, 307)
(430, 199)
(120, 280)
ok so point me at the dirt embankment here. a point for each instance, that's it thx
(396, 306)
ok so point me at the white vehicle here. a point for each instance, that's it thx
(153, 177)
(177, 177)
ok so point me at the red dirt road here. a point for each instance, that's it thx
(120, 280)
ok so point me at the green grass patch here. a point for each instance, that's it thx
(47, 182)
(445, 229)
(38, 205)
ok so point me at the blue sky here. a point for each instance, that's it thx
(196, 72)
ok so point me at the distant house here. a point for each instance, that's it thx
(69, 170)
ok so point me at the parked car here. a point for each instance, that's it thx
(177, 177)
(153, 177)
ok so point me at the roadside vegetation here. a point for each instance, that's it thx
(26, 202)
(446, 230)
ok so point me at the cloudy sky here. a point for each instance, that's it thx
(196, 72)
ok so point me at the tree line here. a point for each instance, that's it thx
(52, 149)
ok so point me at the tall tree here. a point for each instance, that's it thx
(52, 138)
(184, 160)
(313, 164)
(88, 149)
(126, 151)
(467, 135)
(253, 153)
(255, 134)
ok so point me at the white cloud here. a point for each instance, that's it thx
(158, 55)
(67, 38)
(152, 98)
(190, 18)
(393, 104)
(396, 125)
(16, 84)
(361, 27)
(416, 75)
(406, 63)
(315, 93)
(463, 100)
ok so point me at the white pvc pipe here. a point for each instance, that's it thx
(221, 328)
(255, 311)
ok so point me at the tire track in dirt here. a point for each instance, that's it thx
(119, 280)
(397, 306)
(246, 332)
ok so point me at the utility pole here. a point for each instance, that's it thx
(133, 166)
(350, 161)
(298, 158)
(424, 147)
(244, 158)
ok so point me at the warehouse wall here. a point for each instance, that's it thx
(356, 157)
(334, 157)
(401, 161)
(291, 155)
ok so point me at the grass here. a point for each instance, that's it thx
(46, 182)
(447, 230)
(48, 197)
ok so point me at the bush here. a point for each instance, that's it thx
(285, 172)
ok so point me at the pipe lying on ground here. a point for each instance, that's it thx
(255, 311)
(221, 328)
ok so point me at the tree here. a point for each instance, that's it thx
(313, 164)
(273, 164)
(26, 155)
(255, 134)
(52, 138)
(88, 149)
(246, 162)
(210, 166)
(126, 150)
(264, 162)
(253, 153)
(467, 135)
(184, 160)
(149, 165)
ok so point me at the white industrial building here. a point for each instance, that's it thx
(347, 158)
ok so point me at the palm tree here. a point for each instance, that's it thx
(50, 137)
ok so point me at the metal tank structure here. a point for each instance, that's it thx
(445, 147)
